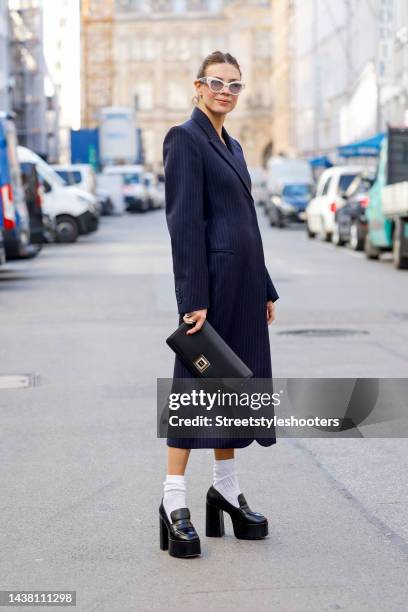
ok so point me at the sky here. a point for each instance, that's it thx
(61, 29)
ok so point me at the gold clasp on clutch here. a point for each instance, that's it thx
(201, 363)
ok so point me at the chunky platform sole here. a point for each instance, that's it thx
(177, 548)
(214, 526)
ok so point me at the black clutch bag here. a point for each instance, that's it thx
(206, 354)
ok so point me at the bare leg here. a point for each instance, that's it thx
(223, 453)
(177, 459)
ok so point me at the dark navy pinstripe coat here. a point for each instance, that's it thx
(218, 258)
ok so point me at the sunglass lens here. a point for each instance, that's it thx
(235, 88)
(216, 85)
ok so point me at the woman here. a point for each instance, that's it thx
(220, 275)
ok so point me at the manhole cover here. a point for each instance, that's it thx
(323, 333)
(17, 381)
(402, 316)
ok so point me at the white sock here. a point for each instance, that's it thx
(226, 480)
(174, 494)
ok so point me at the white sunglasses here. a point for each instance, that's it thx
(216, 85)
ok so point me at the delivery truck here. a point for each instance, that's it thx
(387, 211)
(117, 136)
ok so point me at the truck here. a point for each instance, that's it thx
(117, 136)
(85, 147)
(16, 231)
(387, 210)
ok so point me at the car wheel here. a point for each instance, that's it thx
(271, 216)
(370, 250)
(324, 234)
(336, 237)
(281, 221)
(399, 261)
(356, 241)
(67, 229)
(309, 232)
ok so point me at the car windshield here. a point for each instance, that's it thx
(131, 179)
(48, 173)
(65, 175)
(296, 190)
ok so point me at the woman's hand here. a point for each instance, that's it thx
(270, 311)
(197, 316)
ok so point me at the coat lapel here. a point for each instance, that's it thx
(233, 159)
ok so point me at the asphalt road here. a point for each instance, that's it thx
(82, 469)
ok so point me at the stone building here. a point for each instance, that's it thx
(145, 55)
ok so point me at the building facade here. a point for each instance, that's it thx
(145, 55)
(349, 71)
(281, 83)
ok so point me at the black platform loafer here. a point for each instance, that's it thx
(178, 537)
(247, 525)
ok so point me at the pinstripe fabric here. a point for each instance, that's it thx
(218, 258)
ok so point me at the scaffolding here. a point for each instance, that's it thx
(27, 72)
(97, 62)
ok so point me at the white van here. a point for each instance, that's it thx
(75, 211)
(80, 175)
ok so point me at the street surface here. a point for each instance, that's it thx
(82, 469)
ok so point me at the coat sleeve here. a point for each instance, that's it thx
(184, 197)
(271, 293)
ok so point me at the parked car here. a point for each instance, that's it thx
(350, 221)
(112, 186)
(259, 187)
(75, 211)
(290, 187)
(155, 190)
(16, 229)
(289, 204)
(135, 193)
(82, 177)
(105, 199)
(42, 225)
(320, 212)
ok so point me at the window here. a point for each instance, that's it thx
(262, 44)
(131, 179)
(143, 96)
(179, 6)
(143, 49)
(177, 95)
(345, 180)
(326, 186)
(177, 48)
(211, 43)
(297, 190)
